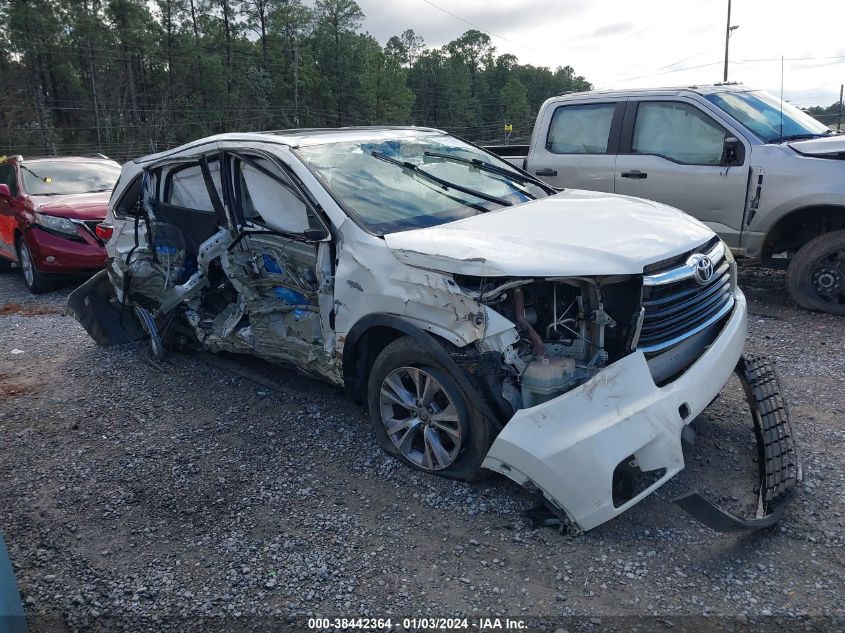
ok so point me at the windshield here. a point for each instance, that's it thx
(414, 182)
(52, 178)
(761, 113)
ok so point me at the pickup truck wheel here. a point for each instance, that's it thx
(36, 281)
(421, 416)
(816, 275)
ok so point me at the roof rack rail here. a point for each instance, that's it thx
(95, 155)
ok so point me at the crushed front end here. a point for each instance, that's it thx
(608, 373)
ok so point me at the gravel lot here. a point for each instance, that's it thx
(150, 500)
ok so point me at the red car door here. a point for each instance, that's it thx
(8, 220)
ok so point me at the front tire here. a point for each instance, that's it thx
(816, 275)
(421, 415)
(36, 281)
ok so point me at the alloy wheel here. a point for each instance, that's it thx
(27, 266)
(420, 418)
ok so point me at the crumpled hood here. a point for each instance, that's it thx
(572, 233)
(825, 147)
(76, 206)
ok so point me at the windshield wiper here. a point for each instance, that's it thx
(415, 170)
(797, 137)
(493, 169)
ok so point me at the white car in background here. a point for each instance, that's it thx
(488, 322)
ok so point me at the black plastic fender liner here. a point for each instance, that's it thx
(780, 468)
(707, 513)
(93, 304)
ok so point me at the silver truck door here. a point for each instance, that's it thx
(577, 143)
(674, 152)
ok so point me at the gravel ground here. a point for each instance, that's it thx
(149, 500)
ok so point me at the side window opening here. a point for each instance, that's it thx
(267, 196)
(129, 201)
(679, 132)
(185, 186)
(580, 129)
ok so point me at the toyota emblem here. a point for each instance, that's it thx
(702, 268)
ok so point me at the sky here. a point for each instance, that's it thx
(646, 43)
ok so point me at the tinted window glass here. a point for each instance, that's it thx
(186, 187)
(580, 129)
(766, 115)
(8, 177)
(678, 131)
(268, 197)
(128, 203)
(53, 178)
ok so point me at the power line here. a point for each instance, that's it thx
(738, 62)
(476, 26)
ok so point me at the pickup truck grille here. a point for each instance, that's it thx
(678, 305)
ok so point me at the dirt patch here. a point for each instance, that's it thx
(27, 310)
(13, 390)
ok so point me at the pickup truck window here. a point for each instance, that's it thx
(580, 129)
(679, 132)
(409, 183)
(766, 116)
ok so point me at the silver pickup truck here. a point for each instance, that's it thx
(765, 176)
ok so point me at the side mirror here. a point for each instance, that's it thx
(316, 235)
(733, 152)
(5, 192)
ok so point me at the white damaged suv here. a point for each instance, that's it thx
(488, 321)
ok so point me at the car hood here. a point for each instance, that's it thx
(570, 234)
(825, 147)
(76, 206)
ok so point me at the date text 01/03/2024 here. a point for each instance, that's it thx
(422, 623)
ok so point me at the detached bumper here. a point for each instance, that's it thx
(570, 447)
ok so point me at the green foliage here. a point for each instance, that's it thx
(129, 77)
(830, 115)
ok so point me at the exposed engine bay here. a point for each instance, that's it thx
(570, 329)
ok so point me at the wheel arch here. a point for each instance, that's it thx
(371, 334)
(799, 226)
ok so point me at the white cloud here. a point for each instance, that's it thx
(624, 44)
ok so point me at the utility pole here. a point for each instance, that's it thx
(839, 118)
(727, 39)
(728, 30)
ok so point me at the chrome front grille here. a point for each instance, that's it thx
(678, 305)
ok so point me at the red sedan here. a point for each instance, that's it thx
(50, 212)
